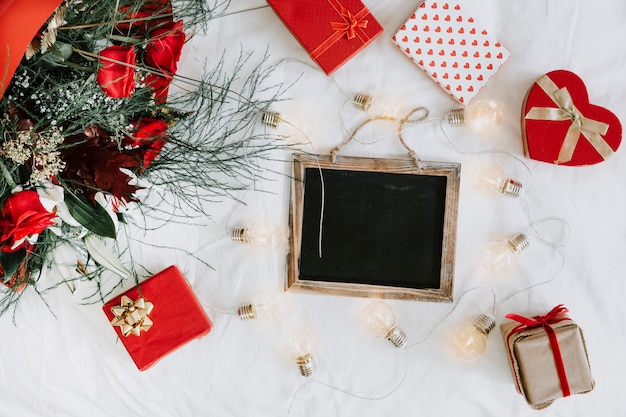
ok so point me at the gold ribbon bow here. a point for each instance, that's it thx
(591, 129)
(132, 316)
(350, 24)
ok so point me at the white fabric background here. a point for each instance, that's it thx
(70, 363)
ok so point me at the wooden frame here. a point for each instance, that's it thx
(384, 227)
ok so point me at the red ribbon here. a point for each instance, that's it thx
(544, 321)
(351, 23)
(353, 27)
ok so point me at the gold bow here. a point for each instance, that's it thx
(591, 129)
(132, 316)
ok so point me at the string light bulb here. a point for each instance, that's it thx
(492, 178)
(382, 104)
(265, 306)
(292, 124)
(500, 256)
(470, 340)
(381, 322)
(479, 115)
(260, 234)
(301, 349)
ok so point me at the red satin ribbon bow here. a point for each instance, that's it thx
(350, 24)
(544, 321)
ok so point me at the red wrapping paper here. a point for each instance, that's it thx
(332, 31)
(177, 315)
(19, 22)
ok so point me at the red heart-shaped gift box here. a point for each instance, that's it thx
(560, 126)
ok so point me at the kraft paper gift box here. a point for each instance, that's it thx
(331, 31)
(548, 357)
(157, 317)
(451, 47)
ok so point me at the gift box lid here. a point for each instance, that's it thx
(533, 365)
(332, 31)
(451, 47)
(177, 317)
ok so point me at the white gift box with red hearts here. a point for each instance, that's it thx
(456, 52)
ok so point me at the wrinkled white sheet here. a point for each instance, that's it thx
(70, 364)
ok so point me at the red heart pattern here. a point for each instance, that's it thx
(458, 36)
(545, 139)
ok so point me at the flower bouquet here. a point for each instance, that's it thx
(88, 129)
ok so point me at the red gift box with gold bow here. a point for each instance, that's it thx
(332, 31)
(548, 357)
(157, 317)
(561, 126)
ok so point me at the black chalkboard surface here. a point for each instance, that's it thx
(373, 227)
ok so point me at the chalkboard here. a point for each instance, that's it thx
(373, 227)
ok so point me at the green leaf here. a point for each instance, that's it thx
(94, 218)
(58, 54)
(104, 256)
(11, 261)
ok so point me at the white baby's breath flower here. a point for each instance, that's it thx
(40, 148)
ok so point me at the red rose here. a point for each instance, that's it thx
(148, 16)
(23, 215)
(134, 21)
(160, 86)
(149, 134)
(164, 48)
(116, 75)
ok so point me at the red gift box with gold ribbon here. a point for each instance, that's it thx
(561, 126)
(157, 317)
(332, 31)
(548, 357)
